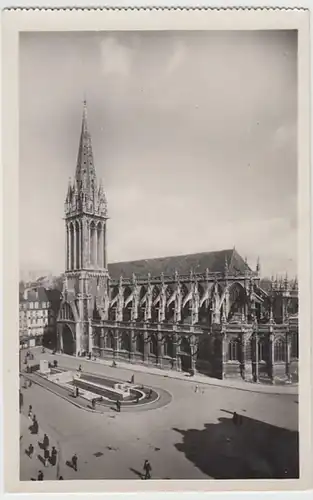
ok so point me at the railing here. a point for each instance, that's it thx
(184, 278)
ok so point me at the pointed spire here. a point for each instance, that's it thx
(258, 266)
(85, 171)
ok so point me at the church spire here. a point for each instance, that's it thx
(85, 196)
(85, 177)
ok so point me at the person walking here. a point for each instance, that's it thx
(118, 405)
(30, 413)
(147, 469)
(30, 450)
(45, 442)
(235, 418)
(132, 380)
(21, 400)
(54, 454)
(74, 462)
(35, 425)
(40, 476)
(46, 456)
(80, 368)
(30, 383)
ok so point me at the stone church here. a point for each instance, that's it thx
(204, 312)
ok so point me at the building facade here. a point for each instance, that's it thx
(204, 312)
(37, 316)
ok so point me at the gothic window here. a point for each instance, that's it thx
(233, 350)
(169, 347)
(112, 313)
(261, 351)
(140, 343)
(279, 350)
(236, 299)
(294, 346)
(248, 350)
(153, 345)
(185, 346)
(155, 309)
(141, 307)
(125, 342)
(110, 340)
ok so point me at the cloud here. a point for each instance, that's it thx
(116, 59)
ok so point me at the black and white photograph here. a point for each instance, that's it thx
(158, 255)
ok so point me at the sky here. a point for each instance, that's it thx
(194, 137)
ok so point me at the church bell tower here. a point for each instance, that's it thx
(85, 242)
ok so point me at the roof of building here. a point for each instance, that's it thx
(36, 294)
(183, 264)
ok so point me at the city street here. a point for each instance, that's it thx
(193, 437)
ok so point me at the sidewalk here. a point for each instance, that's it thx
(291, 389)
(29, 467)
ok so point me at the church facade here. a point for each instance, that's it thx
(204, 312)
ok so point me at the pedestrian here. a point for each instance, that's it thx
(77, 392)
(53, 455)
(196, 388)
(60, 478)
(30, 383)
(46, 456)
(40, 476)
(30, 415)
(80, 368)
(150, 394)
(147, 469)
(30, 450)
(235, 418)
(74, 461)
(93, 402)
(21, 400)
(132, 380)
(45, 441)
(55, 363)
(118, 405)
(137, 398)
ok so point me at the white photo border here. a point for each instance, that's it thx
(132, 19)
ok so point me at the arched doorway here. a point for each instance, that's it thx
(68, 340)
(185, 355)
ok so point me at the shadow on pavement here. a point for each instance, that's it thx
(139, 474)
(253, 450)
(42, 460)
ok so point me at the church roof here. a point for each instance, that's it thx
(183, 264)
